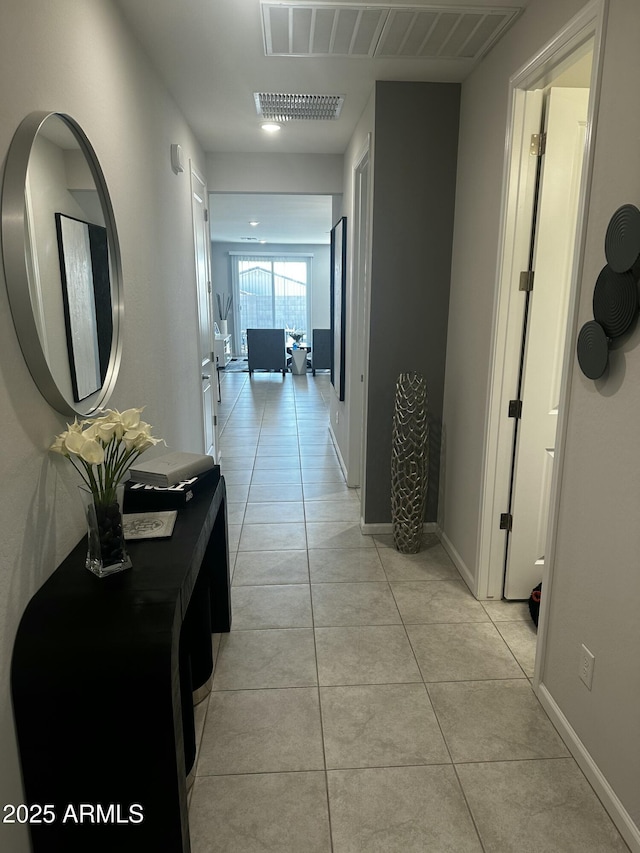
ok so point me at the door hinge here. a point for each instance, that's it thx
(206, 215)
(526, 280)
(538, 144)
(515, 408)
(209, 286)
(506, 521)
(215, 420)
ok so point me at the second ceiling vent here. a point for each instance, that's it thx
(284, 107)
(384, 32)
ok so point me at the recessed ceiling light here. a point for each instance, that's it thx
(270, 127)
(263, 241)
(254, 223)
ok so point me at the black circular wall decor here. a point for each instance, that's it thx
(622, 240)
(615, 301)
(593, 350)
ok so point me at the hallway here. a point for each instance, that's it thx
(364, 701)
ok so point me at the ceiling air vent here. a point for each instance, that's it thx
(399, 32)
(283, 107)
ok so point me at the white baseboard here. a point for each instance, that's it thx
(619, 815)
(337, 449)
(387, 528)
(458, 562)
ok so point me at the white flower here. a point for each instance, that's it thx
(130, 418)
(58, 445)
(74, 441)
(140, 438)
(144, 442)
(106, 430)
(92, 452)
(102, 448)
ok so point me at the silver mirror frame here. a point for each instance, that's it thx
(14, 229)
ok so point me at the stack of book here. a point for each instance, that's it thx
(168, 482)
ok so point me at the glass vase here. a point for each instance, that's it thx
(106, 547)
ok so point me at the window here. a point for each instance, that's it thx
(270, 292)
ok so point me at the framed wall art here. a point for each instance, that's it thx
(86, 292)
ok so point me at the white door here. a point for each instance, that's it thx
(555, 239)
(203, 282)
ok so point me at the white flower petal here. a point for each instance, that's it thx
(131, 418)
(92, 452)
(74, 441)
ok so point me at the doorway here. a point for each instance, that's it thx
(358, 338)
(205, 313)
(560, 156)
(270, 261)
(545, 196)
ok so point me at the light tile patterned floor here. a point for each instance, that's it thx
(364, 702)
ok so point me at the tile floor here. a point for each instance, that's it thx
(364, 701)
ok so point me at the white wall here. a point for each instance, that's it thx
(78, 58)
(311, 174)
(483, 121)
(339, 411)
(320, 262)
(596, 583)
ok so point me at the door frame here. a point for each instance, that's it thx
(588, 24)
(360, 304)
(553, 257)
(195, 174)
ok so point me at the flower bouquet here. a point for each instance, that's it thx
(101, 449)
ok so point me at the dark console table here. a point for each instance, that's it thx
(103, 675)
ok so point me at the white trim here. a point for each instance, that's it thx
(385, 528)
(359, 311)
(203, 194)
(337, 449)
(283, 255)
(525, 108)
(598, 9)
(458, 562)
(494, 491)
(619, 815)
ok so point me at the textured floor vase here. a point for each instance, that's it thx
(409, 462)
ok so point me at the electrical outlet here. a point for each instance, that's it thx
(587, 661)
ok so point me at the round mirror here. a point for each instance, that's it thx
(62, 263)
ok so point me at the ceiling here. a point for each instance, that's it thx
(211, 55)
(281, 219)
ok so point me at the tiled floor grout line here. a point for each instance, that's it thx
(402, 622)
(276, 400)
(437, 719)
(321, 722)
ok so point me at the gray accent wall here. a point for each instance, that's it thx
(414, 178)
